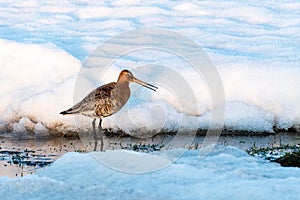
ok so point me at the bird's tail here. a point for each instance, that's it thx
(70, 111)
(64, 112)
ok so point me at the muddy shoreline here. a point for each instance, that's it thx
(22, 156)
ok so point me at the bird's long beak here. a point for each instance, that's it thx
(147, 85)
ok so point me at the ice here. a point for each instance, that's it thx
(225, 172)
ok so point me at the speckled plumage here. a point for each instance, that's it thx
(107, 99)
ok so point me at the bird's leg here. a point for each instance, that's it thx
(101, 134)
(95, 135)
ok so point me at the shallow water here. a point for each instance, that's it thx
(19, 157)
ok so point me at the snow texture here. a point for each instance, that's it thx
(226, 172)
(254, 45)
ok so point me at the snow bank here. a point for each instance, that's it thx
(245, 29)
(255, 46)
(225, 172)
(37, 82)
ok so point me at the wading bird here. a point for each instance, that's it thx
(106, 100)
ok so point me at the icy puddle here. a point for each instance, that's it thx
(20, 157)
(225, 173)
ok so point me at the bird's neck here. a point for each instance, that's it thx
(121, 92)
(122, 83)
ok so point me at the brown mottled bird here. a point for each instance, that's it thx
(106, 100)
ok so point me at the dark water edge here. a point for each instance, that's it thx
(22, 156)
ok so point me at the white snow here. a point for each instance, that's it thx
(37, 82)
(226, 172)
(254, 45)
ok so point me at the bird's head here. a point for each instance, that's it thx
(127, 76)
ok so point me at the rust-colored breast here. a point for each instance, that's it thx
(119, 95)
